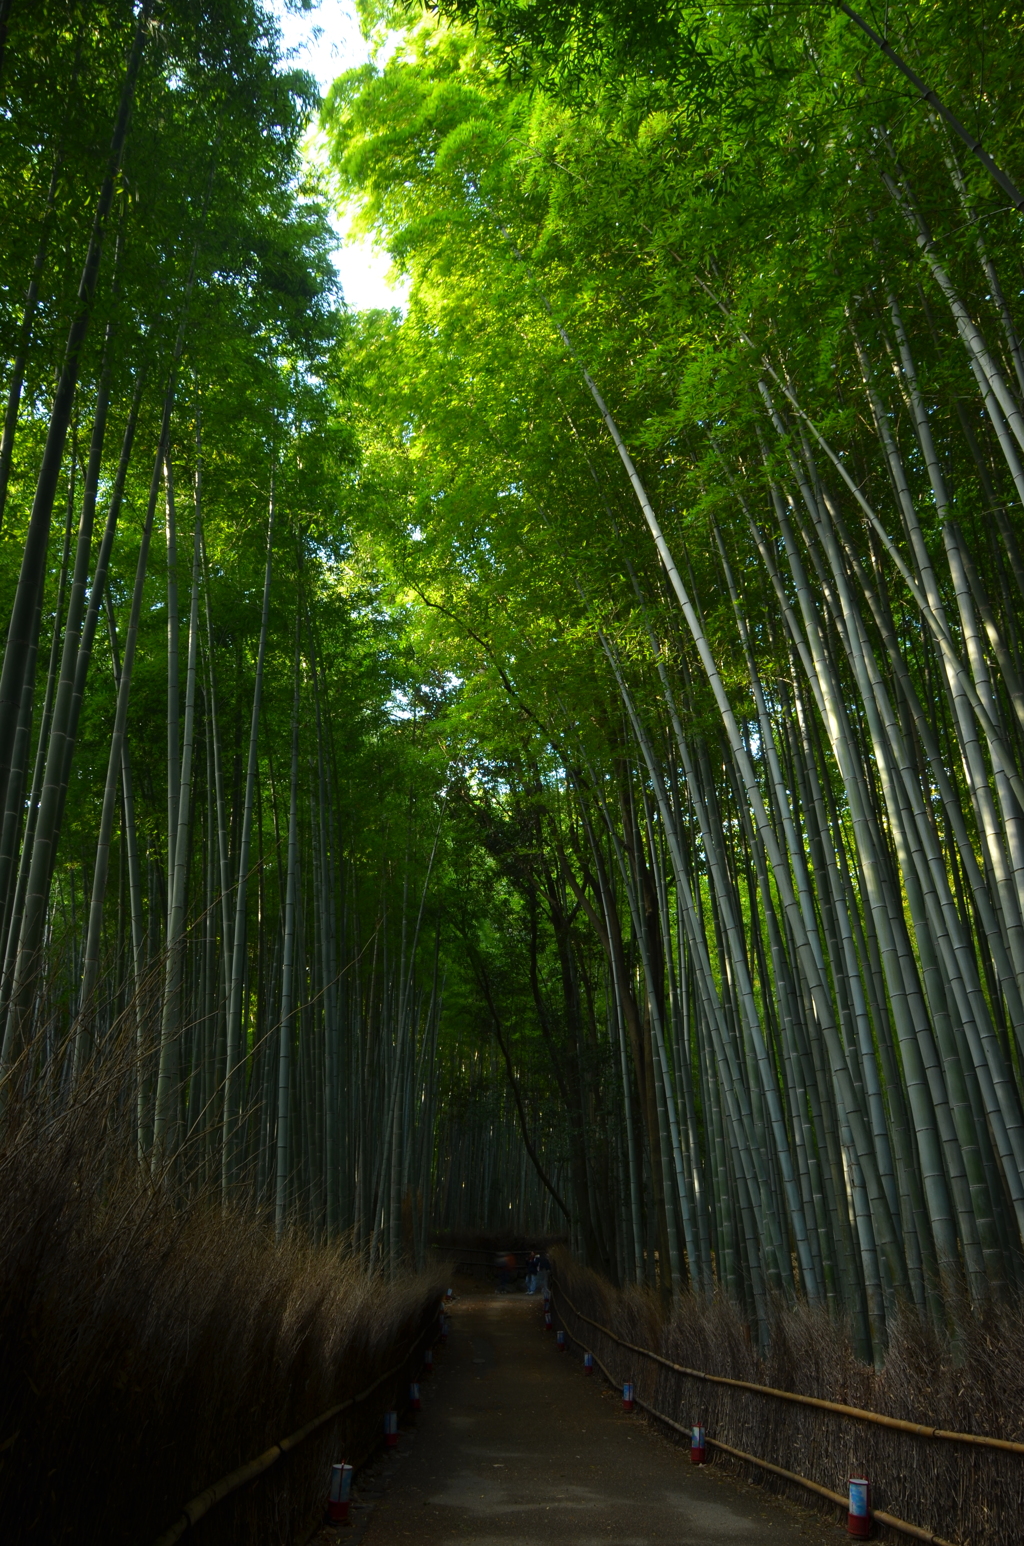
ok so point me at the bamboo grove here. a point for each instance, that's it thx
(197, 898)
(709, 430)
(551, 760)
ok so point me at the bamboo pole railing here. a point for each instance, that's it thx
(201, 1504)
(920, 1430)
(862, 1414)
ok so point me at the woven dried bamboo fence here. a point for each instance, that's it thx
(928, 1484)
(352, 1427)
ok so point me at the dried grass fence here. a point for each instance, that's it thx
(969, 1494)
(391, 1392)
(151, 1344)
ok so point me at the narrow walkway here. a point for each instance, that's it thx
(517, 1447)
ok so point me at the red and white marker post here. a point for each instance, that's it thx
(340, 1495)
(428, 1361)
(588, 1363)
(628, 1399)
(698, 1447)
(391, 1429)
(549, 1324)
(858, 1519)
(560, 1340)
(414, 1396)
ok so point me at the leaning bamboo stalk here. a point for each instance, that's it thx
(1000, 1093)
(925, 1086)
(41, 843)
(233, 1055)
(752, 1026)
(20, 632)
(286, 1028)
(171, 1018)
(23, 963)
(888, 1238)
(91, 958)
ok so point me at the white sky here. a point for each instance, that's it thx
(327, 40)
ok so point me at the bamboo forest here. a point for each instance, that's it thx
(540, 762)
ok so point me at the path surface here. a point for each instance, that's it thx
(517, 1447)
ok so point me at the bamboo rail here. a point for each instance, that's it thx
(902, 1526)
(919, 1430)
(205, 1500)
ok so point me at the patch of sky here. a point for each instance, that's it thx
(411, 702)
(327, 40)
(399, 705)
(482, 779)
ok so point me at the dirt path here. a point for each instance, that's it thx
(517, 1447)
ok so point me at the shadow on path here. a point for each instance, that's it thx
(517, 1447)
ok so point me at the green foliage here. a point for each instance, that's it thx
(687, 855)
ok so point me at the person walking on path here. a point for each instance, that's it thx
(506, 1263)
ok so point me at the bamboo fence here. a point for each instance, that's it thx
(961, 1489)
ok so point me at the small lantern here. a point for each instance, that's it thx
(858, 1520)
(340, 1494)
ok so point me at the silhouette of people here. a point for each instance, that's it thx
(506, 1264)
